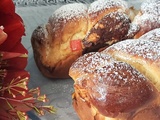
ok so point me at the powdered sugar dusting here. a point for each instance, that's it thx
(119, 16)
(88, 63)
(115, 75)
(149, 16)
(91, 61)
(152, 35)
(101, 73)
(61, 16)
(133, 29)
(147, 49)
(100, 5)
(147, 20)
(70, 11)
(151, 7)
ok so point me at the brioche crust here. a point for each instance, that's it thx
(120, 82)
(98, 9)
(152, 35)
(51, 42)
(112, 28)
(148, 17)
(112, 86)
(144, 55)
(86, 111)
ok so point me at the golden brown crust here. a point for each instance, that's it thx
(151, 113)
(152, 35)
(109, 21)
(148, 17)
(143, 54)
(51, 43)
(115, 89)
(121, 82)
(84, 109)
(98, 9)
(105, 88)
(110, 29)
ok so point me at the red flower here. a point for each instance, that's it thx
(15, 97)
(13, 26)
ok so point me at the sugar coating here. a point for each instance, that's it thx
(151, 7)
(70, 11)
(113, 77)
(133, 29)
(65, 13)
(101, 5)
(149, 15)
(119, 16)
(147, 49)
(102, 73)
(88, 63)
(152, 35)
(147, 20)
(91, 61)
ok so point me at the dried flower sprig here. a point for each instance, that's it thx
(15, 97)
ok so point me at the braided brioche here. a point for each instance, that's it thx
(75, 29)
(57, 44)
(142, 54)
(122, 81)
(119, 83)
(51, 42)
